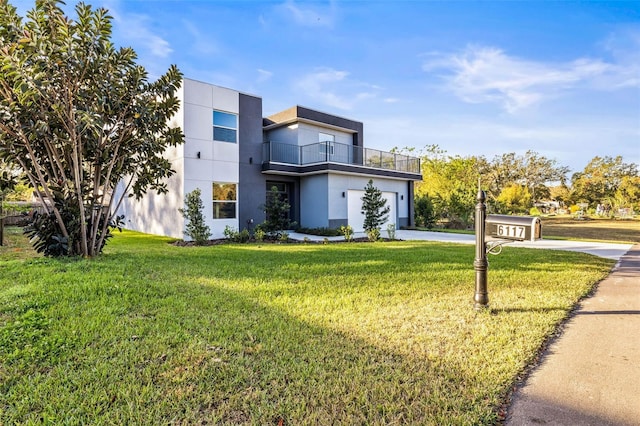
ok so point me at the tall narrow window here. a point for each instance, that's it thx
(224, 200)
(225, 127)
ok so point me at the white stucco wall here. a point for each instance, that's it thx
(218, 161)
(338, 183)
(308, 134)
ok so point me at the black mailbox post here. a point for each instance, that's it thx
(500, 229)
(517, 228)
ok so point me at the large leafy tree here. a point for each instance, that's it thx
(531, 170)
(607, 180)
(451, 182)
(79, 116)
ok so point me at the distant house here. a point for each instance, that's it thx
(317, 162)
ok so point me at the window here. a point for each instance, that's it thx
(326, 143)
(224, 200)
(225, 127)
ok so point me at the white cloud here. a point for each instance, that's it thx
(199, 42)
(488, 75)
(334, 88)
(137, 29)
(264, 75)
(310, 14)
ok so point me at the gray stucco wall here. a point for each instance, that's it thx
(252, 183)
(314, 201)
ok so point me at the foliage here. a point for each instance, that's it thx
(310, 334)
(374, 208)
(44, 231)
(328, 232)
(451, 182)
(514, 199)
(75, 132)
(607, 180)
(424, 212)
(276, 210)
(347, 232)
(283, 237)
(259, 234)
(373, 234)
(196, 228)
(451, 185)
(236, 236)
(530, 170)
(534, 211)
(391, 231)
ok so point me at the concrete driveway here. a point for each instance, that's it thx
(608, 250)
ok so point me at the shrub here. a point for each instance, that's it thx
(533, 211)
(232, 234)
(424, 212)
(259, 234)
(391, 231)
(323, 232)
(347, 232)
(373, 234)
(196, 228)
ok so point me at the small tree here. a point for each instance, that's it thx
(424, 212)
(277, 214)
(196, 229)
(375, 210)
(79, 117)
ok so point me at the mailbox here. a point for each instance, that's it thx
(517, 228)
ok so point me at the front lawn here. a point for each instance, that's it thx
(367, 333)
(592, 229)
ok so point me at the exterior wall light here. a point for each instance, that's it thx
(198, 154)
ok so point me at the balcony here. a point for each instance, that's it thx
(359, 160)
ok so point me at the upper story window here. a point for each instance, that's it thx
(225, 127)
(326, 137)
(326, 143)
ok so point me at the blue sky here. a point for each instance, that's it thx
(476, 78)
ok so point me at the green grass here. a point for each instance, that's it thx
(367, 333)
(613, 230)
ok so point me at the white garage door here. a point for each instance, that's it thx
(355, 216)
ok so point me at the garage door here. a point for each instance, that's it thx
(355, 216)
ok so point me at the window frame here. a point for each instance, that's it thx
(326, 142)
(224, 126)
(219, 202)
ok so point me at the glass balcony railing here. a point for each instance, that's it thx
(332, 152)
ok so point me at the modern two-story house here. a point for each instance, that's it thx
(317, 161)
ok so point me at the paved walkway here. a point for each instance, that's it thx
(590, 375)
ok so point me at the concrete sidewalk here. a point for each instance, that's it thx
(590, 375)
